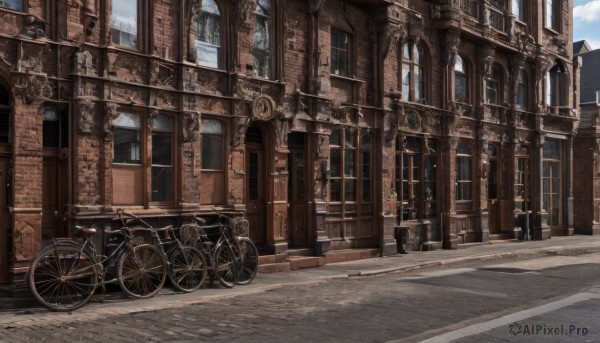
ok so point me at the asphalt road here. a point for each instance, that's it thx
(549, 299)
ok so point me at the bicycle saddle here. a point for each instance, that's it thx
(84, 231)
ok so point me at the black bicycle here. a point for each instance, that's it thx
(64, 276)
(186, 264)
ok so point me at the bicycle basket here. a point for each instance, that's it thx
(140, 235)
(189, 234)
(240, 226)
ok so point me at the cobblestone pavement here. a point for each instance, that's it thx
(363, 309)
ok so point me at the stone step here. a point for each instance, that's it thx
(431, 245)
(302, 262)
(274, 267)
(350, 255)
(301, 252)
(270, 259)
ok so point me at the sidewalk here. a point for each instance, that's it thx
(12, 310)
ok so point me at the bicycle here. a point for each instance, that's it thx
(64, 276)
(186, 264)
(232, 234)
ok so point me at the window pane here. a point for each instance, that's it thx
(261, 46)
(123, 23)
(253, 177)
(492, 92)
(464, 148)
(419, 94)
(131, 120)
(405, 82)
(127, 146)
(335, 163)
(16, 5)
(366, 190)
(212, 151)
(335, 190)
(460, 88)
(161, 148)
(211, 126)
(5, 126)
(51, 129)
(349, 163)
(366, 165)
(334, 139)
(350, 140)
(365, 142)
(350, 190)
(162, 184)
(552, 149)
(339, 52)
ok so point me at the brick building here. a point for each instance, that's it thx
(327, 123)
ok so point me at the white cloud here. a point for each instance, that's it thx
(587, 12)
(594, 43)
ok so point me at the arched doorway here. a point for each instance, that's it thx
(256, 187)
(6, 140)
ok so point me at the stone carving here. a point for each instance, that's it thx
(190, 80)
(110, 114)
(152, 115)
(390, 126)
(31, 59)
(111, 58)
(517, 65)
(263, 108)
(86, 116)
(191, 124)
(154, 71)
(33, 27)
(390, 38)
(246, 13)
(33, 88)
(194, 11)
(282, 128)
(25, 241)
(487, 55)
(241, 125)
(451, 47)
(84, 63)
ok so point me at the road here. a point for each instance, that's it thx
(548, 299)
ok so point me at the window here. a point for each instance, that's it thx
(344, 166)
(460, 80)
(213, 170)
(522, 176)
(463, 171)
(16, 5)
(55, 128)
(262, 40)
(521, 91)
(518, 9)
(5, 117)
(417, 167)
(124, 23)
(340, 46)
(208, 35)
(162, 159)
(413, 73)
(143, 160)
(556, 86)
(127, 135)
(493, 173)
(493, 87)
(551, 179)
(552, 17)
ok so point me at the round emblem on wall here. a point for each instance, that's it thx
(262, 109)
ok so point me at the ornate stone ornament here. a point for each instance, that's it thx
(33, 87)
(263, 108)
(86, 116)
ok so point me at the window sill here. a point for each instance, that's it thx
(346, 78)
(551, 30)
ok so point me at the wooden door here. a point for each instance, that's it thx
(51, 199)
(5, 226)
(255, 193)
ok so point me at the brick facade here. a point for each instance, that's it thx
(367, 157)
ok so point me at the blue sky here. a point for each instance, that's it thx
(586, 19)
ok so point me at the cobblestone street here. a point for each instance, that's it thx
(364, 309)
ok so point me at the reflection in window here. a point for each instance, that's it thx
(16, 5)
(339, 52)
(124, 23)
(262, 40)
(460, 80)
(162, 159)
(413, 72)
(518, 9)
(463, 172)
(208, 35)
(127, 138)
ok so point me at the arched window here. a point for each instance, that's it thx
(461, 89)
(262, 39)
(340, 52)
(556, 86)
(208, 35)
(213, 169)
(493, 87)
(464, 180)
(521, 91)
(413, 72)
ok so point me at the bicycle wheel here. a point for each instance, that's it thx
(224, 268)
(62, 277)
(187, 269)
(142, 271)
(247, 260)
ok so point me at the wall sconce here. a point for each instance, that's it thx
(485, 169)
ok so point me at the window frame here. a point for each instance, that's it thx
(548, 184)
(494, 80)
(464, 180)
(414, 64)
(557, 86)
(268, 53)
(519, 10)
(464, 75)
(211, 175)
(139, 27)
(154, 165)
(521, 88)
(197, 28)
(341, 51)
